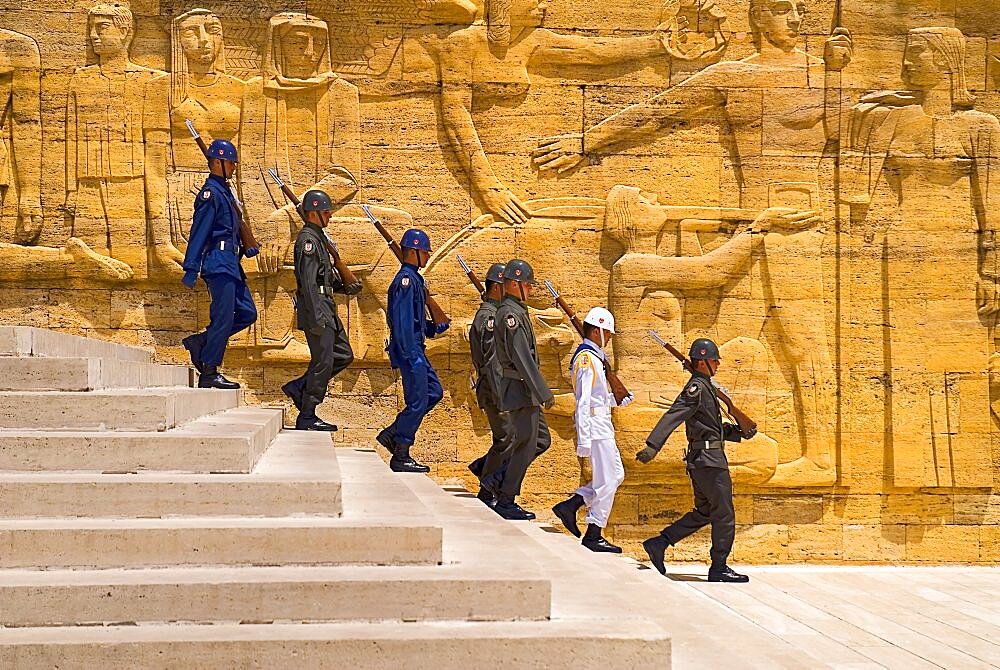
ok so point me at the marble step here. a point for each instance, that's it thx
(28, 341)
(297, 474)
(228, 441)
(263, 595)
(111, 409)
(207, 541)
(87, 374)
(580, 644)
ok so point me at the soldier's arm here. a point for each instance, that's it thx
(583, 386)
(684, 407)
(307, 272)
(205, 211)
(524, 363)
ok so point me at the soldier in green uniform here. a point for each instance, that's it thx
(707, 434)
(523, 390)
(318, 281)
(483, 348)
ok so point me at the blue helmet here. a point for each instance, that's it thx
(222, 150)
(417, 239)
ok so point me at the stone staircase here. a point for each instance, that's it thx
(144, 523)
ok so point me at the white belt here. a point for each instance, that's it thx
(600, 411)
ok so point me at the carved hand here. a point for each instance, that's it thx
(168, 257)
(272, 257)
(786, 218)
(839, 49)
(29, 225)
(501, 203)
(988, 299)
(559, 153)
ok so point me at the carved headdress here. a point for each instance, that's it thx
(179, 65)
(279, 26)
(949, 44)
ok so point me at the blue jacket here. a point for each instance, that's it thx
(407, 316)
(215, 220)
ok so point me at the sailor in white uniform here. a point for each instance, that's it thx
(595, 434)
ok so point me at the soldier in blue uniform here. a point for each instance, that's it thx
(214, 250)
(408, 328)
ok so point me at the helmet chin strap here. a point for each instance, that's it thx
(602, 337)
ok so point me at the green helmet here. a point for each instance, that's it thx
(519, 270)
(316, 201)
(704, 349)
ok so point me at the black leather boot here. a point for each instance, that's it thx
(486, 497)
(510, 510)
(211, 378)
(726, 574)
(655, 547)
(194, 344)
(594, 541)
(294, 392)
(476, 466)
(566, 511)
(387, 438)
(401, 461)
(313, 423)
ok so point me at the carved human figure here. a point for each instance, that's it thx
(780, 121)
(492, 59)
(197, 88)
(21, 143)
(105, 192)
(304, 120)
(924, 192)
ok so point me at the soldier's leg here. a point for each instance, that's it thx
(342, 353)
(718, 487)
(245, 311)
(491, 473)
(693, 521)
(609, 473)
(317, 376)
(524, 443)
(222, 315)
(416, 396)
(544, 439)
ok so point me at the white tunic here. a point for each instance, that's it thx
(594, 399)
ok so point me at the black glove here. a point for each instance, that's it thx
(646, 455)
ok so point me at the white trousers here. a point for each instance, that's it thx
(599, 493)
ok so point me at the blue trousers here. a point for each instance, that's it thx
(421, 392)
(232, 310)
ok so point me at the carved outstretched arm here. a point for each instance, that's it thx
(456, 116)
(557, 49)
(712, 270)
(699, 98)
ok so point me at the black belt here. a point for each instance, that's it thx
(707, 444)
(323, 290)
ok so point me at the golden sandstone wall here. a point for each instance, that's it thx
(814, 184)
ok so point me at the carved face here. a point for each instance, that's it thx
(779, 21)
(201, 39)
(650, 215)
(528, 13)
(302, 51)
(922, 68)
(107, 38)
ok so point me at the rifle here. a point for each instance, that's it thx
(352, 285)
(437, 314)
(247, 238)
(472, 276)
(748, 427)
(617, 387)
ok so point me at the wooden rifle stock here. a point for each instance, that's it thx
(438, 315)
(614, 382)
(748, 427)
(247, 239)
(352, 285)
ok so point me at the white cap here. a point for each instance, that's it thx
(601, 318)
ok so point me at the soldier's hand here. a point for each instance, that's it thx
(251, 252)
(627, 400)
(646, 455)
(549, 403)
(190, 279)
(353, 289)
